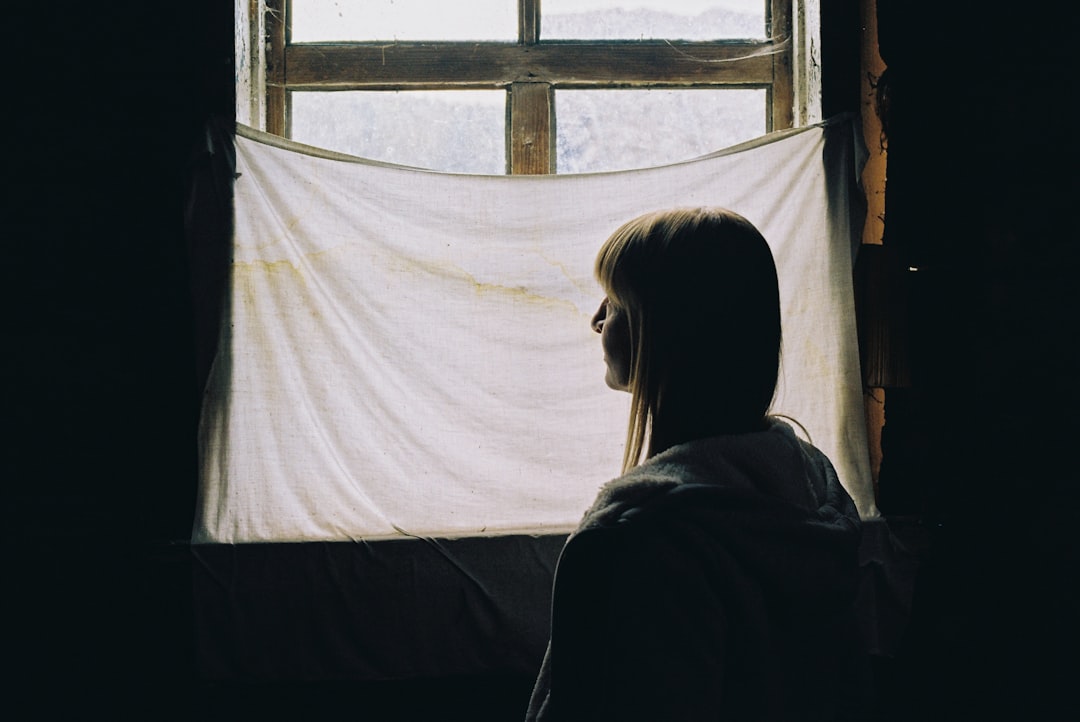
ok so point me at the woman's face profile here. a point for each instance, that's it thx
(612, 324)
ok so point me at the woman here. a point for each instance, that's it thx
(714, 578)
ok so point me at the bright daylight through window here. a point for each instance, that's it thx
(520, 86)
(410, 353)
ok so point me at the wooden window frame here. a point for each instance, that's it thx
(528, 69)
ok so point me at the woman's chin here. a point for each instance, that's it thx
(615, 383)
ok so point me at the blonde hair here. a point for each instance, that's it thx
(699, 290)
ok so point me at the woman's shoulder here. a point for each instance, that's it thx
(763, 468)
(633, 490)
(700, 464)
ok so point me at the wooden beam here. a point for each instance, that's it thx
(327, 66)
(782, 94)
(276, 24)
(529, 22)
(531, 137)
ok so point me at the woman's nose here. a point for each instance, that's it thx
(597, 322)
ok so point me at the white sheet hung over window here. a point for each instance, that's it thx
(409, 351)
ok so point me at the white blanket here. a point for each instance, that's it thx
(409, 352)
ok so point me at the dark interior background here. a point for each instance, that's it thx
(104, 110)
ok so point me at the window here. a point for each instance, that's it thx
(337, 269)
(520, 86)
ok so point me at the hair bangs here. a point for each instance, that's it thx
(611, 261)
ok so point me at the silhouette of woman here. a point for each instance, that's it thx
(714, 579)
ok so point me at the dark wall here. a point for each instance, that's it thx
(101, 399)
(979, 199)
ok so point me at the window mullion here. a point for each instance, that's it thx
(529, 109)
(531, 124)
(528, 22)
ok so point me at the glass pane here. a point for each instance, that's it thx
(640, 20)
(461, 131)
(342, 20)
(602, 130)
